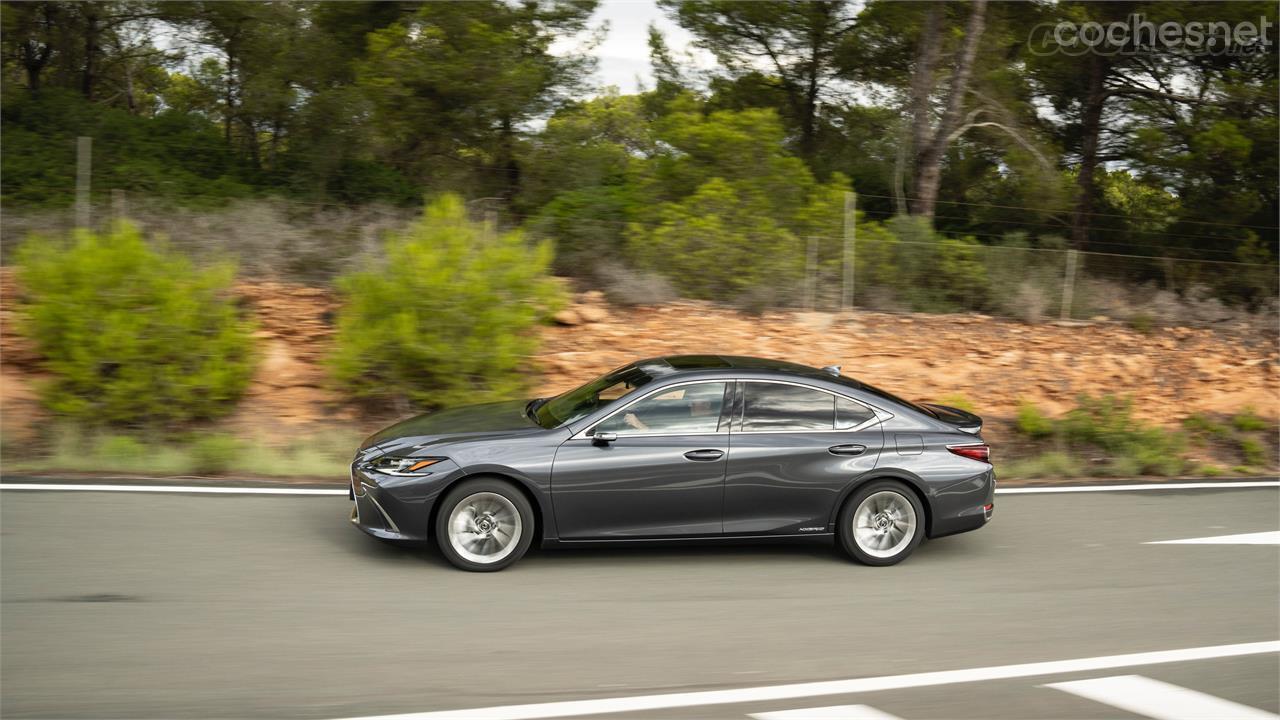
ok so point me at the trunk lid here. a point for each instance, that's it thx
(961, 419)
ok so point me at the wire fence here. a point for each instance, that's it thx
(314, 242)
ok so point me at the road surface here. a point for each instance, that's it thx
(144, 605)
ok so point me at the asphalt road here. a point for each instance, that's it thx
(127, 605)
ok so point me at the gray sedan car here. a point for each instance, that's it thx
(683, 448)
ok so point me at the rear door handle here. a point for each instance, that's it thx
(704, 455)
(847, 449)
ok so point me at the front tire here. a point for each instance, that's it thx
(882, 523)
(483, 525)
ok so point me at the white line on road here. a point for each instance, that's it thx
(643, 703)
(1144, 486)
(834, 712)
(1158, 700)
(229, 490)
(1258, 538)
(216, 490)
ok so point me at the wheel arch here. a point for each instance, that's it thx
(914, 483)
(526, 487)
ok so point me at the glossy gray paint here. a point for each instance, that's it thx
(644, 488)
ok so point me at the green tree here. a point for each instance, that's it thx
(448, 317)
(131, 335)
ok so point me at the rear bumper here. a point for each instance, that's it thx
(964, 506)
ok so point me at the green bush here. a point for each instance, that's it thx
(1032, 422)
(1201, 424)
(132, 335)
(1107, 422)
(1248, 421)
(1052, 464)
(448, 317)
(1255, 454)
(215, 454)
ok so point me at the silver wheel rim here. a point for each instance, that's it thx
(484, 527)
(884, 524)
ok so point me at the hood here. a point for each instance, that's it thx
(499, 418)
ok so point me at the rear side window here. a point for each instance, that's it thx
(773, 407)
(850, 414)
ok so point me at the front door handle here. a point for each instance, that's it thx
(704, 455)
(847, 449)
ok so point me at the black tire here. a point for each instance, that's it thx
(895, 508)
(492, 499)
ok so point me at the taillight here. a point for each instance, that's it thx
(981, 453)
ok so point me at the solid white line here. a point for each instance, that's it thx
(1158, 700)
(643, 703)
(227, 490)
(1048, 489)
(834, 712)
(1258, 538)
(216, 490)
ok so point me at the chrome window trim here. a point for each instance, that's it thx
(583, 434)
(877, 415)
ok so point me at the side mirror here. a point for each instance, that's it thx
(604, 438)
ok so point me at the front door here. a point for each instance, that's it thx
(662, 476)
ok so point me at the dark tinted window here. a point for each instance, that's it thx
(772, 407)
(850, 414)
(681, 409)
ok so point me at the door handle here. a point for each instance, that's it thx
(704, 455)
(847, 449)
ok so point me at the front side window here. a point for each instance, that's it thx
(773, 407)
(685, 409)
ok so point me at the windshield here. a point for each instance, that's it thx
(582, 401)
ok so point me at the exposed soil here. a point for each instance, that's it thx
(992, 363)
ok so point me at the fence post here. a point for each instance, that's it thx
(850, 249)
(84, 157)
(811, 274)
(118, 209)
(1068, 286)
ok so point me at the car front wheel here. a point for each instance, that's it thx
(484, 525)
(882, 523)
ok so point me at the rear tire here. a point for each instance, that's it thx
(881, 524)
(484, 525)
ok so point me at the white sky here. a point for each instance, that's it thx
(624, 53)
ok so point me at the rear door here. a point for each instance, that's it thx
(663, 475)
(793, 448)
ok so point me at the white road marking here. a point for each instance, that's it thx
(834, 712)
(227, 490)
(215, 490)
(1159, 700)
(1049, 489)
(643, 703)
(1258, 538)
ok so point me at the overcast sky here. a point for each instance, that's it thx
(624, 54)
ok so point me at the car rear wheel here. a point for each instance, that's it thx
(484, 525)
(882, 523)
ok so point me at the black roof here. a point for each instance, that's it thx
(688, 363)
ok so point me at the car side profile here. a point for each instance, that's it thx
(679, 448)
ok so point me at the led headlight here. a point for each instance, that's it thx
(403, 466)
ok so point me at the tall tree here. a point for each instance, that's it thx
(796, 41)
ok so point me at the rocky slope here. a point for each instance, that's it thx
(992, 363)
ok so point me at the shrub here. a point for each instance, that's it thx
(215, 454)
(1201, 424)
(1032, 422)
(1053, 464)
(132, 335)
(1248, 421)
(1107, 423)
(1254, 453)
(447, 317)
(624, 286)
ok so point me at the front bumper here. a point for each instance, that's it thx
(397, 508)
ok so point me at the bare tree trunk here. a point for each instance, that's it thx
(229, 98)
(90, 51)
(1090, 128)
(929, 158)
(922, 85)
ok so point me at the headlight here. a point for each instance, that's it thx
(404, 466)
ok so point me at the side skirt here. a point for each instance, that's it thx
(554, 543)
